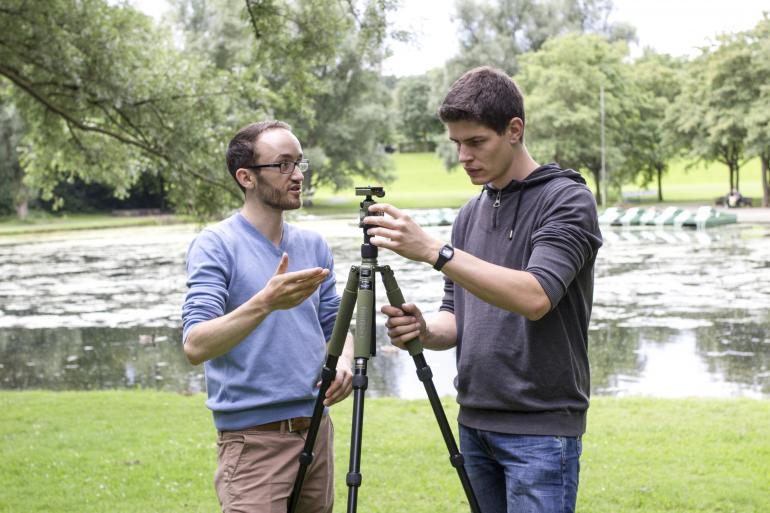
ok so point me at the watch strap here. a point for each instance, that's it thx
(445, 254)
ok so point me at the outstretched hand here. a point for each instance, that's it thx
(399, 233)
(288, 289)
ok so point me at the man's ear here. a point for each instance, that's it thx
(246, 179)
(515, 130)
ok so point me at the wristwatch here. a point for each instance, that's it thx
(445, 254)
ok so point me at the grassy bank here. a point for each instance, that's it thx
(45, 223)
(154, 452)
(422, 182)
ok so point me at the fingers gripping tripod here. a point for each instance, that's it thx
(360, 292)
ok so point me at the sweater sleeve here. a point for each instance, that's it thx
(566, 240)
(329, 299)
(209, 268)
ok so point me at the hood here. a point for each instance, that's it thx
(542, 174)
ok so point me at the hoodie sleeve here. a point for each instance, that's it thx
(448, 302)
(566, 239)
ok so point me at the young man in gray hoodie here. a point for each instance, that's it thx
(517, 302)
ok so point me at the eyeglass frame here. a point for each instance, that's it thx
(280, 165)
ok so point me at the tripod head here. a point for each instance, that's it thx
(368, 251)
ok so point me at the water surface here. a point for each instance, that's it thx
(677, 313)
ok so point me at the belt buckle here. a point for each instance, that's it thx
(291, 425)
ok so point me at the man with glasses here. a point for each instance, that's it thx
(260, 307)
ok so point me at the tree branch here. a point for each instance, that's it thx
(73, 122)
(27, 86)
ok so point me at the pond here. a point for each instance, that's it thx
(677, 313)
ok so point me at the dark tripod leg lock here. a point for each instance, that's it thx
(360, 292)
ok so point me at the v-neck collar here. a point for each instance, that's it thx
(285, 234)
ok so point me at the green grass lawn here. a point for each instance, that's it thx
(703, 183)
(145, 451)
(423, 182)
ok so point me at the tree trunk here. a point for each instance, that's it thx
(598, 182)
(765, 160)
(660, 183)
(22, 209)
(162, 185)
(307, 189)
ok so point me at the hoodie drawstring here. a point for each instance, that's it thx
(496, 209)
(516, 211)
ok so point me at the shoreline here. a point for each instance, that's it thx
(333, 223)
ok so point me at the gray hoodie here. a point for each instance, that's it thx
(514, 375)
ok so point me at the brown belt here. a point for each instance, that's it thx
(288, 425)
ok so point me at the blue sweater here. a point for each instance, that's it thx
(272, 374)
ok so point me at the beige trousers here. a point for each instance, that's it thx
(256, 471)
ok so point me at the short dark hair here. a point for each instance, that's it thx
(485, 95)
(241, 152)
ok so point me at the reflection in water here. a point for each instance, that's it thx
(676, 313)
(96, 358)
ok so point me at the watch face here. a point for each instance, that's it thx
(446, 252)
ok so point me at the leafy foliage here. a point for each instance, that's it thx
(561, 85)
(496, 33)
(758, 119)
(417, 119)
(316, 57)
(108, 97)
(13, 193)
(709, 116)
(658, 79)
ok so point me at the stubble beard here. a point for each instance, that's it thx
(274, 197)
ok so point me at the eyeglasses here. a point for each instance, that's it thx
(286, 167)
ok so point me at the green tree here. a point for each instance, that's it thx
(417, 120)
(709, 117)
(496, 33)
(561, 85)
(499, 33)
(14, 195)
(319, 59)
(107, 97)
(647, 158)
(758, 119)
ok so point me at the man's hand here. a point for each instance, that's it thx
(401, 234)
(404, 324)
(287, 290)
(342, 384)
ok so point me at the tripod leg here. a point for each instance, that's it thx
(360, 382)
(363, 350)
(396, 298)
(336, 345)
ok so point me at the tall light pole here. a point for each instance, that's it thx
(603, 173)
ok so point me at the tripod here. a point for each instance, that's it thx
(360, 292)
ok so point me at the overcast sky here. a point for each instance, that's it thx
(678, 27)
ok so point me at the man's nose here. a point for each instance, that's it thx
(463, 155)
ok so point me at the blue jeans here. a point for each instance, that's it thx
(522, 473)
